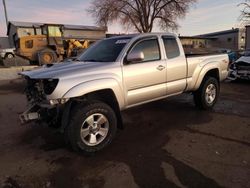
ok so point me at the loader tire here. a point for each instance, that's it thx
(47, 56)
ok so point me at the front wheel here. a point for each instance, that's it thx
(206, 96)
(92, 127)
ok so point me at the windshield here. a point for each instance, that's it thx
(106, 50)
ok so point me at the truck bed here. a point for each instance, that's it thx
(203, 54)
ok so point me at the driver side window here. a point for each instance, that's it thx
(150, 49)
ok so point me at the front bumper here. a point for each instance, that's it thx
(30, 114)
(243, 74)
(41, 111)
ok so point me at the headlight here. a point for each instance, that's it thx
(49, 85)
(58, 101)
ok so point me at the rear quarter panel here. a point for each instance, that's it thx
(199, 66)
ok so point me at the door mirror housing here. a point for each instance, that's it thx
(134, 57)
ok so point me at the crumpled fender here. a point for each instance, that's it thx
(97, 85)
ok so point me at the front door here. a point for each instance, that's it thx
(145, 80)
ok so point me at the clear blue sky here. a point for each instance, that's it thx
(205, 16)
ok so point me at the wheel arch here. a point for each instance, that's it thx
(7, 53)
(211, 70)
(96, 86)
(103, 95)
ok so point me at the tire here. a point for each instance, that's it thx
(207, 94)
(95, 136)
(9, 56)
(47, 56)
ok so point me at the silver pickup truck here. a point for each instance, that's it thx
(84, 97)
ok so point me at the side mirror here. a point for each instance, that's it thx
(135, 57)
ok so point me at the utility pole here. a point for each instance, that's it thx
(5, 12)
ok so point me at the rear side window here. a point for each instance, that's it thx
(171, 47)
(150, 48)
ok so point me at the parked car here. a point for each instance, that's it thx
(84, 97)
(7, 53)
(231, 54)
(241, 68)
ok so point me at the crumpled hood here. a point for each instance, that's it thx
(58, 70)
(245, 59)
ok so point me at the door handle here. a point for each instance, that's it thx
(160, 67)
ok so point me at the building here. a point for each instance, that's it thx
(20, 29)
(4, 42)
(248, 37)
(233, 39)
(196, 44)
(196, 41)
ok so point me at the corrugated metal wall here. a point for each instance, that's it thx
(4, 42)
(248, 37)
(84, 34)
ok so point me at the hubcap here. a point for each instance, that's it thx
(94, 129)
(10, 56)
(210, 94)
(48, 58)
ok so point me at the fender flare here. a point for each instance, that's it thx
(204, 70)
(97, 85)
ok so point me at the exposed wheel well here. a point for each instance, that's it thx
(213, 73)
(106, 95)
(7, 53)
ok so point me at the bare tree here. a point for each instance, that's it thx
(245, 12)
(140, 14)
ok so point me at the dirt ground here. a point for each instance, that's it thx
(16, 61)
(167, 143)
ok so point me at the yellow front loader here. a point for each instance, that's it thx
(49, 47)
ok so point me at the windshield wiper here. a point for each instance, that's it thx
(92, 60)
(72, 59)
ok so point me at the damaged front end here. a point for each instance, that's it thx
(239, 70)
(39, 107)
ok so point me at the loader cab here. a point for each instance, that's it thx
(54, 33)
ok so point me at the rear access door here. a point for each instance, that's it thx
(176, 65)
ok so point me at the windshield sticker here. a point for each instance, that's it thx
(123, 41)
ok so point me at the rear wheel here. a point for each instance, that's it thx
(47, 56)
(92, 127)
(9, 56)
(206, 96)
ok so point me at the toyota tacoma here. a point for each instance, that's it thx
(84, 97)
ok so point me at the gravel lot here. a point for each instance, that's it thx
(167, 143)
(16, 61)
